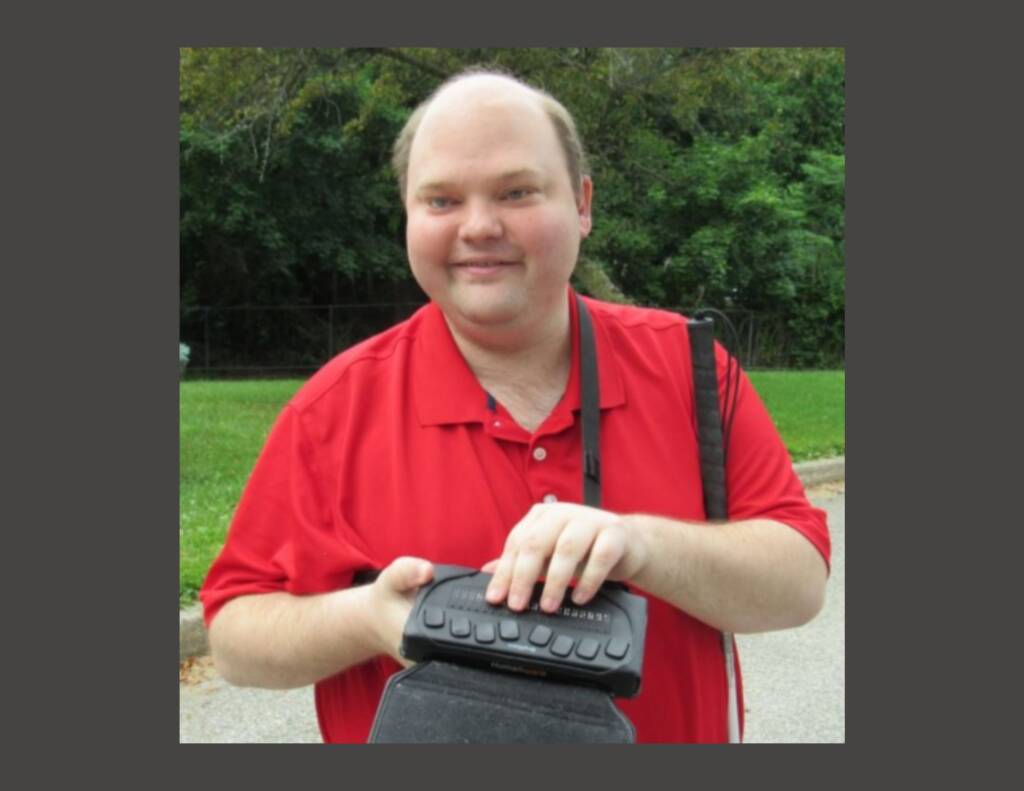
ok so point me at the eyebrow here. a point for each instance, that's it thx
(508, 175)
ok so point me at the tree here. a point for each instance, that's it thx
(719, 175)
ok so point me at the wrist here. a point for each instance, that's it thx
(660, 561)
(369, 605)
(638, 529)
(352, 619)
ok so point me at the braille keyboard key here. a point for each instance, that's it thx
(587, 649)
(562, 645)
(617, 648)
(460, 627)
(485, 632)
(540, 635)
(433, 617)
(509, 630)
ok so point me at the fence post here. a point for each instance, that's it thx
(206, 336)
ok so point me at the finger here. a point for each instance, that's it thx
(608, 548)
(571, 549)
(504, 567)
(497, 590)
(527, 568)
(535, 547)
(489, 566)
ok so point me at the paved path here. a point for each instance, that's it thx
(794, 680)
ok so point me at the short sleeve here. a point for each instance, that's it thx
(285, 534)
(760, 479)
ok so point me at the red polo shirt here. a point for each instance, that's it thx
(393, 448)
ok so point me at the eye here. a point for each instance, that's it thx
(519, 193)
(438, 202)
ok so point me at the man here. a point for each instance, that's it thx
(454, 438)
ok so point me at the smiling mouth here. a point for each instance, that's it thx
(484, 271)
(483, 264)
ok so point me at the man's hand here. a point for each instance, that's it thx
(393, 593)
(561, 541)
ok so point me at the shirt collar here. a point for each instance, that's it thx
(446, 391)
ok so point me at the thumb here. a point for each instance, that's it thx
(406, 573)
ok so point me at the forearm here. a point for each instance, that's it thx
(750, 576)
(281, 641)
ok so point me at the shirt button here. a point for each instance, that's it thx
(497, 424)
(550, 498)
(540, 454)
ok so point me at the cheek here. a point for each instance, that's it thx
(556, 238)
(426, 242)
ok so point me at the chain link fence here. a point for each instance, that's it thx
(762, 340)
(296, 340)
(279, 340)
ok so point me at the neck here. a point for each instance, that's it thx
(526, 372)
(543, 348)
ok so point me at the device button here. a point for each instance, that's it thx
(433, 617)
(485, 632)
(617, 648)
(509, 630)
(562, 645)
(460, 627)
(540, 635)
(587, 649)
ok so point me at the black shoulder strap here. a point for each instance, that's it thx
(591, 409)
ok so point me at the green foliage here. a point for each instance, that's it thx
(719, 175)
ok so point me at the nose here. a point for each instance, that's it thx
(481, 221)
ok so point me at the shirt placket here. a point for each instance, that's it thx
(552, 469)
(549, 464)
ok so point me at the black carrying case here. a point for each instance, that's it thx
(441, 702)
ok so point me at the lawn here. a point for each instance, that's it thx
(808, 408)
(223, 425)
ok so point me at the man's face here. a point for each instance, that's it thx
(493, 226)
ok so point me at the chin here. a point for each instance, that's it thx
(490, 317)
(488, 312)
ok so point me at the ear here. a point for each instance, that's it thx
(583, 206)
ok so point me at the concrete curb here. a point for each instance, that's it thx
(813, 473)
(192, 640)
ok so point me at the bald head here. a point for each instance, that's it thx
(480, 89)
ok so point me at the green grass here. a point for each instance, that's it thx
(224, 424)
(808, 408)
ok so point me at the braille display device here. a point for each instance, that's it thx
(600, 644)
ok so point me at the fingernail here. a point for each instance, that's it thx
(579, 595)
(491, 594)
(549, 603)
(515, 601)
